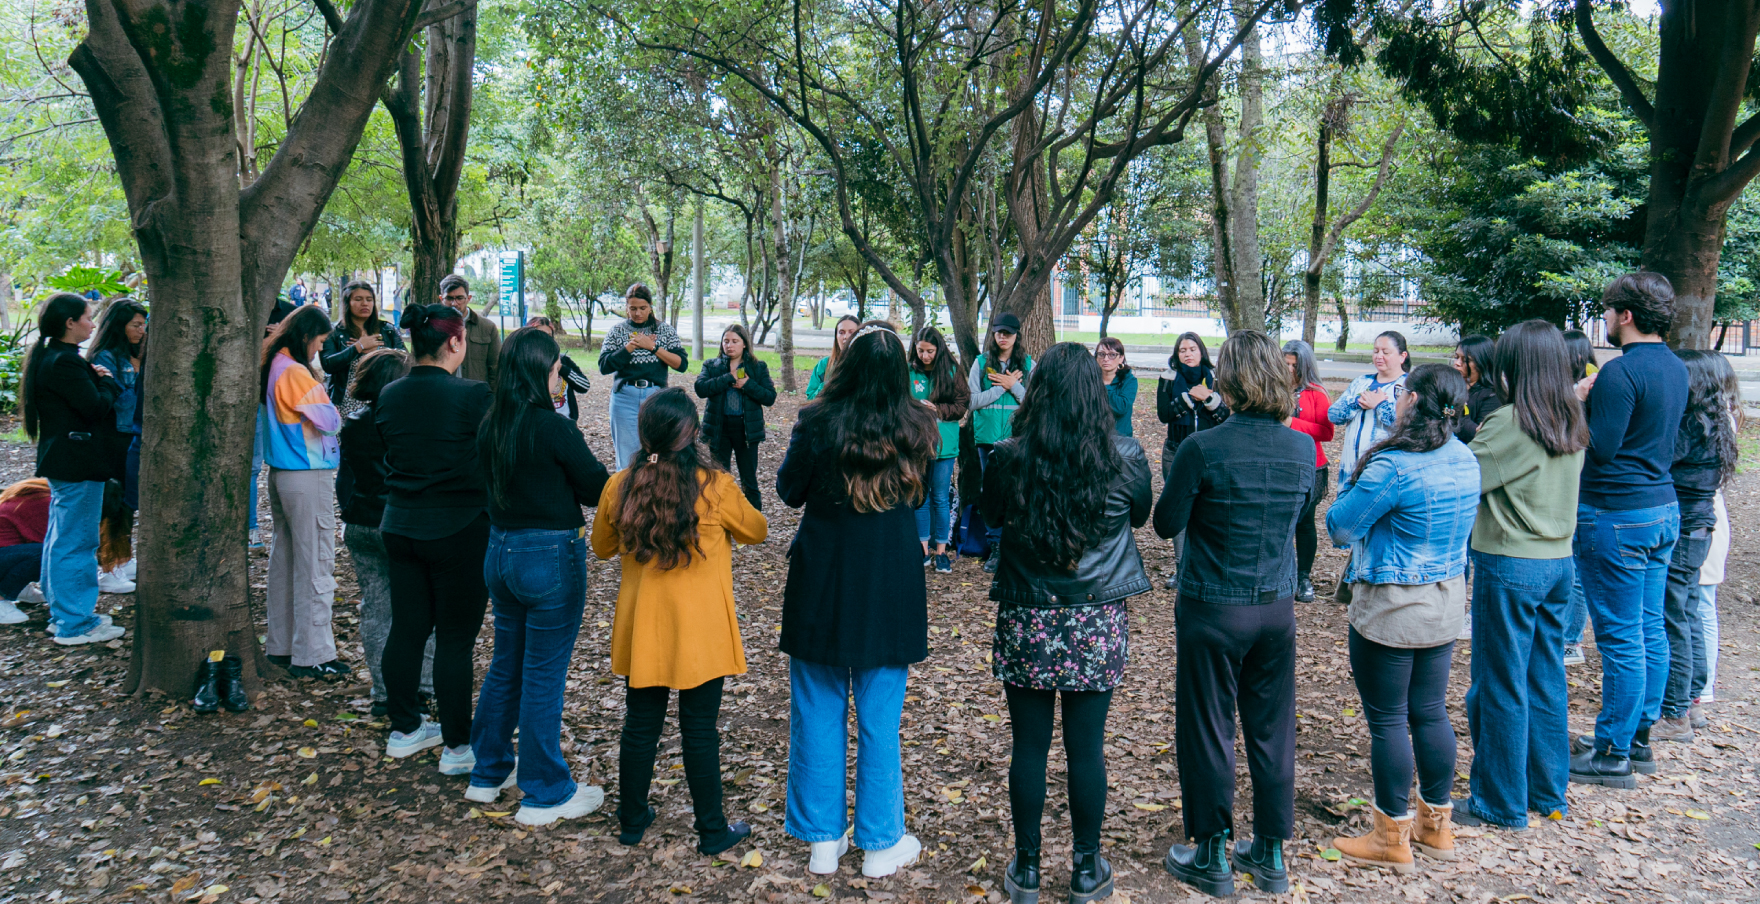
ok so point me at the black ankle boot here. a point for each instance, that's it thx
(1262, 861)
(232, 694)
(1203, 866)
(1022, 878)
(1304, 589)
(630, 833)
(207, 698)
(735, 833)
(1593, 767)
(1091, 879)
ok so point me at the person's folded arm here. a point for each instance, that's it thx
(1185, 480)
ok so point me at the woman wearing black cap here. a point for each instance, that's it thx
(998, 383)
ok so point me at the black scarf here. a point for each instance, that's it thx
(1192, 376)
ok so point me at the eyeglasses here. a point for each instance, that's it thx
(1107, 355)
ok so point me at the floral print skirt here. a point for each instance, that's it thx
(1073, 648)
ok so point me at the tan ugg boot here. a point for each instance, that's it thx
(1433, 830)
(1389, 844)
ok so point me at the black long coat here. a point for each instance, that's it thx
(714, 383)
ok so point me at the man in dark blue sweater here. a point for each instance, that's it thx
(1627, 523)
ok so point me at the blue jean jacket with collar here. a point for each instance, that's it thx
(1407, 516)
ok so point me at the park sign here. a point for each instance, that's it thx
(513, 285)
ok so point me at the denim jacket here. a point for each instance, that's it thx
(1407, 516)
(123, 370)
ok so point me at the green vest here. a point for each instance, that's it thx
(920, 388)
(994, 423)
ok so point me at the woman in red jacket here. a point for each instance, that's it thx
(1310, 418)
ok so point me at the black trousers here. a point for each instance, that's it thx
(436, 588)
(1031, 713)
(1405, 698)
(1229, 655)
(1307, 534)
(644, 714)
(731, 444)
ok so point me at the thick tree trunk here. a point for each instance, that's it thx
(1248, 260)
(784, 284)
(1317, 235)
(430, 109)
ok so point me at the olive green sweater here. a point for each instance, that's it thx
(1528, 501)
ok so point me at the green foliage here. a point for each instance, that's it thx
(80, 280)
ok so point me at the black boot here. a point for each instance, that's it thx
(1091, 880)
(1642, 757)
(232, 685)
(630, 833)
(1022, 878)
(716, 842)
(207, 698)
(1203, 866)
(1592, 767)
(1304, 589)
(1262, 861)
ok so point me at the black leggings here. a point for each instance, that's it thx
(1406, 691)
(731, 444)
(1307, 536)
(1031, 712)
(436, 588)
(644, 715)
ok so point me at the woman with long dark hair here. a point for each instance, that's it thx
(119, 348)
(1582, 353)
(69, 408)
(935, 382)
(1185, 397)
(841, 333)
(1530, 451)
(735, 388)
(1066, 490)
(1406, 512)
(359, 331)
(301, 450)
(1366, 411)
(1121, 383)
(672, 517)
(575, 381)
(855, 609)
(1473, 361)
(1310, 418)
(1239, 489)
(1582, 357)
(436, 532)
(540, 474)
(1704, 685)
(998, 383)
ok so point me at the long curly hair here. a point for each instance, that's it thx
(1062, 462)
(884, 439)
(1706, 421)
(657, 514)
(1439, 400)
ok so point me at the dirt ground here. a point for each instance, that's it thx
(110, 798)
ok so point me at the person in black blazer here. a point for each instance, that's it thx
(855, 609)
(737, 389)
(359, 331)
(69, 408)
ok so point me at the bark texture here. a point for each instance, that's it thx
(431, 109)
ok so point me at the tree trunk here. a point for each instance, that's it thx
(1248, 260)
(430, 109)
(1344, 325)
(784, 284)
(1317, 235)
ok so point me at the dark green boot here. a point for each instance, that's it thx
(1262, 861)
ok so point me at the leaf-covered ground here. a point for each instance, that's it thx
(110, 798)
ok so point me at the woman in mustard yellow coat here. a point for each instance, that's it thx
(673, 516)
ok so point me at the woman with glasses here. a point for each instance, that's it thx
(1121, 384)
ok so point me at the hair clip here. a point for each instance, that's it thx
(875, 328)
(1448, 411)
(653, 458)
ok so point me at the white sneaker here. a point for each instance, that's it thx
(826, 854)
(111, 582)
(105, 620)
(10, 614)
(586, 799)
(100, 634)
(400, 745)
(879, 864)
(458, 762)
(1573, 654)
(478, 795)
(32, 593)
(127, 569)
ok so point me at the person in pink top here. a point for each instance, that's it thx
(300, 447)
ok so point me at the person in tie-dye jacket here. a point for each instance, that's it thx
(300, 447)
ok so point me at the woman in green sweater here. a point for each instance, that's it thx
(1530, 452)
(846, 327)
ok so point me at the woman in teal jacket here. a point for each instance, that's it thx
(998, 381)
(841, 333)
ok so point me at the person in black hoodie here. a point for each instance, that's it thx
(359, 332)
(736, 388)
(436, 530)
(1472, 357)
(69, 408)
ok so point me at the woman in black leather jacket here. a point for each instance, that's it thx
(359, 331)
(1066, 491)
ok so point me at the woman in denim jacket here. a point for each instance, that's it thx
(1406, 513)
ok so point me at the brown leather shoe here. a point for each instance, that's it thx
(1676, 728)
(1389, 844)
(1433, 830)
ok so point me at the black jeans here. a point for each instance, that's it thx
(20, 564)
(730, 444)
(1229, 654)
(436, 588)
(1680, 618)
(1406, 690)
(644, 714)
(1031, 712)
(1307, 536)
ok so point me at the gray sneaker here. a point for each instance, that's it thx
(1573, 654)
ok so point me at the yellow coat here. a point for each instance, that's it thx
(677, 628)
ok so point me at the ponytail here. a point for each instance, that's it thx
(430, 326)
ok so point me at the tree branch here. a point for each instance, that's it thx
(1745, 135)
(1381, 172)
(1617, 72)
(332, 18)
(436, 15)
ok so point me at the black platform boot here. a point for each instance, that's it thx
(207, 698)
(1203, 866)
(1091, 880)
(1262, 861)
(1022, 879)
(232, 694)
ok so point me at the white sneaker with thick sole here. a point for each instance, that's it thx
(400, 745)
(111, 582)
(127, 569)
(32, 593)
(879, 864)
(586, 799)
(11, 614)
(825, 855)
(100, 634)
(478, 795)
(458, 762)
(104, 620)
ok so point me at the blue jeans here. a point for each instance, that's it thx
(993, 534)
(70, 555)
(1680, 619)
(256, 465)
(1624, 558)
(20, 564)
(538, 582)
(1516, 703)
(818, 752)
(1705, 659)
(626, 405)
(935, 515)
(1578, 616)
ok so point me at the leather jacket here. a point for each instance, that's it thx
(1107, 572)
